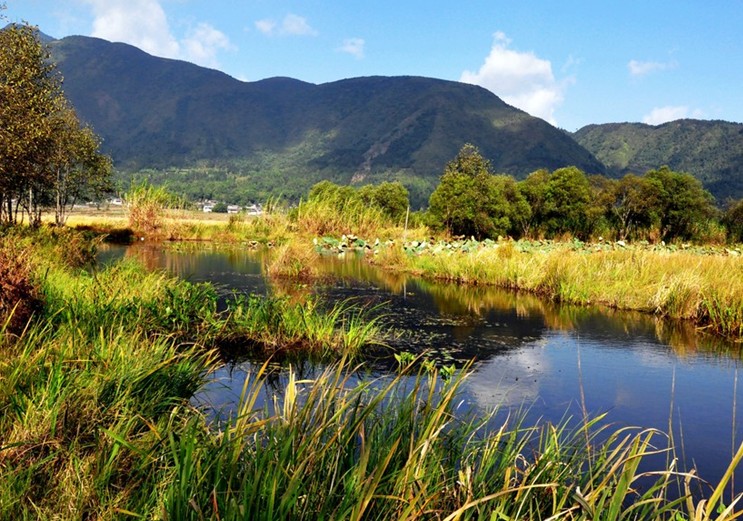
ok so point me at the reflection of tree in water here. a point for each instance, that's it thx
(681, 336)
(150, 256)
(355, 268)
(687, 340)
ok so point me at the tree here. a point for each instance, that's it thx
(509, 207)
(461, 203)
(337, 196)
(220, 208)
(79, 170)
(470, 200)
(28, 90)
(634, 206)
(47, 158)
(566, 201)
(733, 220)
(534, 190)
(684, 206)
(391, 198)
(598, 211)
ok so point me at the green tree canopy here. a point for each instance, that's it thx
(683, 205)
(391, 198)
(534, 190)
(635, 205)
(460, 203)
(733, 220)
(470, 200)
(598, 211)
(567, 196)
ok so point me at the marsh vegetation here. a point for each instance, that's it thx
(100, 365)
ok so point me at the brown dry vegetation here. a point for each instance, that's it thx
(20, 298)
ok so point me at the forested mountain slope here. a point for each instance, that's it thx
(712, 151)
(285, 134)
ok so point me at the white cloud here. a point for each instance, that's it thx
(661, 115)
(291, 25)
(143, 23)
(639, 68)
(265, 26)
(354, 47)
(520, 78)
(203, 43)
(139, 22)
(297, 26)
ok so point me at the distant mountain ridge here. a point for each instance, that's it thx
(281, 135)
(156, 112)
(710, 150)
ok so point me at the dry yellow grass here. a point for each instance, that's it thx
(707, 289)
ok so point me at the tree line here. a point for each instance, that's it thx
(661, 204)
(48, 158)
(471, 200)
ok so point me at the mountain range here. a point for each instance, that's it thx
(281, 135)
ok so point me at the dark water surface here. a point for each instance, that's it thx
(551, 359)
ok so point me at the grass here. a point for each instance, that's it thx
(704, 288)
(96, 423)
(397, 449)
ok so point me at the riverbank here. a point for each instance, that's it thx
(700, 284)
(96, 423)
(703, 285)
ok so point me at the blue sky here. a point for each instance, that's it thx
(569, 62)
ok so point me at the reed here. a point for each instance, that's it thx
(400, 449)
(705, 289)
(294, 260)
(61, 395)
(278, 325)
(320, 217)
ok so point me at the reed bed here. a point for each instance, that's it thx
(401, 449)
(96, 423)
(706, 289)
(295, 261)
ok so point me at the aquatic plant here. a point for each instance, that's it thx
(147, 205)
(334, 448)
(703, 284)
(95, 422)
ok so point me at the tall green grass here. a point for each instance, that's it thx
(64, 399)
(96, 423)
(396, 449)
(278, 325)
(90, 383)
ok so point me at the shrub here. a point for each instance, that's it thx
(20, 298)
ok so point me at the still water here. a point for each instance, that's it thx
(551, 360)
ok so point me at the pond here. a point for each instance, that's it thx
(551, 361)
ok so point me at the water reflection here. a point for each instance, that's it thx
(551, 360)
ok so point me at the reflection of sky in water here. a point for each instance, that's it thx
(530, 354)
